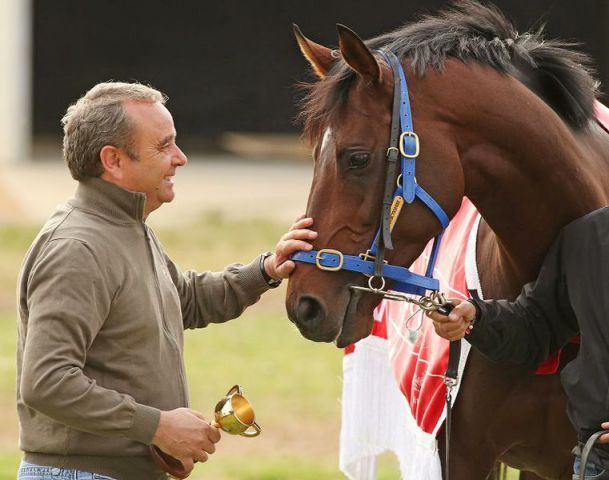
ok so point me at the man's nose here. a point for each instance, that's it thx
(180, 158)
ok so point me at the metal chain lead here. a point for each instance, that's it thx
(428, 303)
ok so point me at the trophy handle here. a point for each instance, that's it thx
(255, 433)
(236, 389)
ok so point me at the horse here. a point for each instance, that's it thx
(503, 118)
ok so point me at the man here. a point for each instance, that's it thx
(102, 308)
(569, 297)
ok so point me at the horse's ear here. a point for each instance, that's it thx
(357, 55)
(320, 57)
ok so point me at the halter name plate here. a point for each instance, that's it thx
(396, 208)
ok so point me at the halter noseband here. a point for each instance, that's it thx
(404, 144)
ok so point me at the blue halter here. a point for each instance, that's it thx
(407, 147)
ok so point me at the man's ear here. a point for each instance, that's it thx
(111, 160)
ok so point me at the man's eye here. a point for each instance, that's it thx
(358, 160)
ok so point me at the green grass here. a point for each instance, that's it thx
(9, 461)
(286, 468)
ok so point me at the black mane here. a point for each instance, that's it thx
(469, 31)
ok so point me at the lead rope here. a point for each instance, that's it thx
(586, 452)
(451, 379)
(439, 303)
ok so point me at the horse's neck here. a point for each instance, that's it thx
(528, 175)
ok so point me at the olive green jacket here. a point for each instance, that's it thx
(102, 312)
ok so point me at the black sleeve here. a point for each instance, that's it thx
(536, 324)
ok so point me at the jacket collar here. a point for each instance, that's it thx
(109, 200)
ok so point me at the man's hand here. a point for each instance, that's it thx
(298, 237)
(456, 324)
(184, 434)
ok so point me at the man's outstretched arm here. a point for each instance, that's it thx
(525, 331)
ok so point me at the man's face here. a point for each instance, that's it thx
(158, 156)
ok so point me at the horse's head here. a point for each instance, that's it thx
(348, 116)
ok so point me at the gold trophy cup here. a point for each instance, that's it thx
(233, 414)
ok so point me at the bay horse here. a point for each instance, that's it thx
(503, 118)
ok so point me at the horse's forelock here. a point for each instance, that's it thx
(323, 100)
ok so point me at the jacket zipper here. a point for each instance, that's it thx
(163, 318)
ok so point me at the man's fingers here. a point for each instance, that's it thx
(450, 330)
(201, 456)
(301, 234)
(457, 316)
(465, 310)
(208, 446)
(286, 247)
(302, 223)
(214, 434)
(441, 318)
(297, 238)
(285, 268)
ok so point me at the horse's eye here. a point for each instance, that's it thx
(358, 160)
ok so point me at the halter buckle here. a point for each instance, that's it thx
(397, 150)
(318, 259)
(417, 145)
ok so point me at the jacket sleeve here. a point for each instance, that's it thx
(68, 301)
(215, 297)
(536, 324)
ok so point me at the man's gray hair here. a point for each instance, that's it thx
(98, 119)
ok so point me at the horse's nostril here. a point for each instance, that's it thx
(309, 312)
(311, 317)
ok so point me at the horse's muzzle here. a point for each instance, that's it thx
(310, 316)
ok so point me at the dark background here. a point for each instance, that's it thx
(232, 66)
